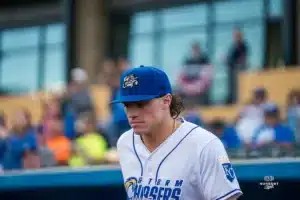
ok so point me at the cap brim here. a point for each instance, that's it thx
(134, 98)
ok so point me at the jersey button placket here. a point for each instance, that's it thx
(149, 166)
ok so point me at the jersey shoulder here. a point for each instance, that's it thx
(125, 139)
(200, 136)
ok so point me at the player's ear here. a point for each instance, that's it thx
(167, 99)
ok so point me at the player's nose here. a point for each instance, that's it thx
(132, 113)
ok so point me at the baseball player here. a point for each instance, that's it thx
(164, 157)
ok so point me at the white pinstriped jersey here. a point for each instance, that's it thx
(190, 164)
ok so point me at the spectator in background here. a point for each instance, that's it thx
(58, 104)
(192, 114)
(90, 146)
(76, 100)
(79, 96)
(31, 160)
(118, 123)
(227, 134)
(3, 136)
(293, 113)
(57, 142)
(69, 124)
(195, 78)
(21, 148)
(51, 110)
(2, 120)
(122, 64)
(236, 62)
(273, 134)
(104, 76)
(45, 154)
(252, 116)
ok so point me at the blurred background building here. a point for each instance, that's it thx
(60, 35)
(234, 62)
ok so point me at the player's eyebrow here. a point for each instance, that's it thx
(138, 103)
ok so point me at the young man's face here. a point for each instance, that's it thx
(144, 116)
(270, 120)
(196, 50)
(237, 35)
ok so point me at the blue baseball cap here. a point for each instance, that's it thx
(271, 109)
(142, 84)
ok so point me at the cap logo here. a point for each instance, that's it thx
(130, 81)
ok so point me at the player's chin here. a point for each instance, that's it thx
(139, 130)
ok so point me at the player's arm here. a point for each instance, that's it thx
(216, 177)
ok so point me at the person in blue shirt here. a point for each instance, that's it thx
(274, 134)
(293, 113)
(3, 134)
(227, 134)
(69, 124)
(21, 143)
(118, 122)
(192, 114)
(2, 145)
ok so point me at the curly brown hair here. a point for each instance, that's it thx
(176, 106)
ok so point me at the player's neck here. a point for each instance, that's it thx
(160, 134)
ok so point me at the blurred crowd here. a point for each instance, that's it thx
(70, 134)
(262, 129)
(197, 74)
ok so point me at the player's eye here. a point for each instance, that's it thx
(126, 105)
(142, 104)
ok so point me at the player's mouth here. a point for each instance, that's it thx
(136, 124)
